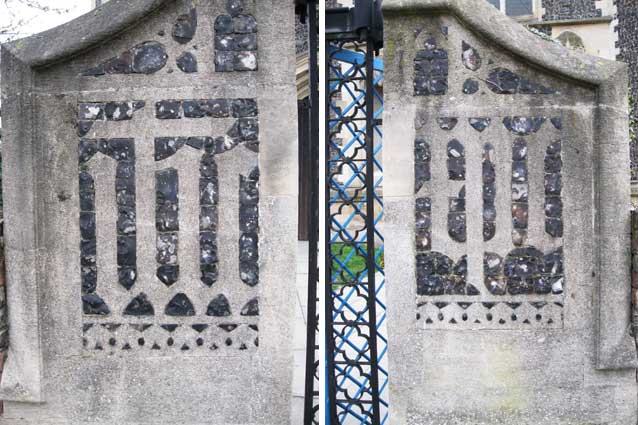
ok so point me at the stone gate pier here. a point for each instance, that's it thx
(506, 181)
(150, 188)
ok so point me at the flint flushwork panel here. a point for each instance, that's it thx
(154, 311)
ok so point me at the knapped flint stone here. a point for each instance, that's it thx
(557, 285)
(519, 150)
(165, 147)
(167, 248)
(553, 207)
(553, 164)
(553, 184)
(447, 123)
(167, 218)
(185, 27)
(149, 57)
(224, 24)
(557, 122)
(523, 126)
(198, 142)
(118, 149)
(248, 218)
(91, 111)
(424, 86)
(480, 124)
(542, 286)
(520, 215)
(219, 307)
(495, 285)
(248, 247)
(125, 197)
(456, 168)
(187, 63)
(244, 24)
(139, 306)
(489, 212)
(125, 220)
(248, 190)
(492, 264)
(554, 148)
(209, 274)
(94, 305)
(234, 7)
(224, 61)
(208, 218)
(423, 205)
(489, 230)
(208, 248)
(87, 149)
(245, 61)
(470, 86)
(167, 186)
(249, 273)
(225, 42)
(125, 176)
(471, 57)
(248, 129)
(517, 286)
(208, 167)
(519, 236)
(423, 239)
(89, 279)
(87, 225)
(455, 149)
(122, 64)
(456, 204)
(251, 308)
(456, 226)
(430, 285)
(88, 251)
(118, 111)
(126, 251)
(168, 274)
(168, 109)
(208, 191)
(126, 277)
(244, 108)
(519, 172)
(243, 42)
(84, 127)
(554, 227)
(504, 81)
(520, 192)
(553, 263)
(180, 306)
(489, 172)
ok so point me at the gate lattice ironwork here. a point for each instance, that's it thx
(357, 375)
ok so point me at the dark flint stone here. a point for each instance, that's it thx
(430, 285)
(519, 150)
(187, 63)
(454, 285)
(456, 204)
(243, 108)
(489, 172)
(84, 127)
(209, 274)
(89, 279)
(248, 218)
(217, 108)
(167, 218)
(87, 225)
(447, 123)
(519, 236)
(553, 263)
(471, 57)
(245, 61)
(456, 168)
(460, 268)
(224, 24)
(138, 104)
(248, 247)
(455, 149)
(126, 255)
(470, 86)
(495, 286)
(519, 172)
(224, 61)
(87, 149)
(126, 276)
(185, 27)
(149, 57)
(208, 167)
(517, 286)
(430, 43)
(91, 111)
(252, 146)
(139, 306)
(489, 192)
(542, 286)
(208, 191)
(492, 264)
(244, 42)
(423, 239)
(199, 327)
(94, 72)
(523, 126)
(251, 308)
(489, 230)
(480, 124)
(248, 191)
(224, 42)
(557, 122)
(167, 248)
(180, 305)
(125, 174)
(94, 305)
(167, 109)
(208, 218)
(197, 142)
(208, 248)
(554, 148)
(553, 164)
(554, 227)
(503, 81)
(170, 328)
(168, 274)
(125, 197)
(118, 111)
(489, 211)
(529, 87)
(234, 7)
(553, 207)
(244, 24)
(248, 129)
(456, 226)
(118, 149)
(167, 186)
(219, 307)
(523, 264)
(249, 273)
(557, 285)
(423, 205)
(439, 68)
(520, 215)
(520, 192)
(165, 147)
(125, 220)
(472, 290)
(194, 108)
(88, 250)
(122, 64)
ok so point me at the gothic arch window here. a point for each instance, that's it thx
(571, 40)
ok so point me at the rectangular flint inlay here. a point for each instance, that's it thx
(179, 272)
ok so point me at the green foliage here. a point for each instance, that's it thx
(356, 264)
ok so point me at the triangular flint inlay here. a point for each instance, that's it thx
(180, 305)
(441, 304)
(538, 304)
(251, 308)
(228, 327)
(464, 305)
(514, 306)
(199, 327)
(219, 307)
(170, 328)
(140, 306)
(140, 327)
(489, 306)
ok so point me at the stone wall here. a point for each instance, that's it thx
(627, 45)
(570, 9)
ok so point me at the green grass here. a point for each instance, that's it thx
(356, 264)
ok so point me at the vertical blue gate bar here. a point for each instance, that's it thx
(357, 343)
